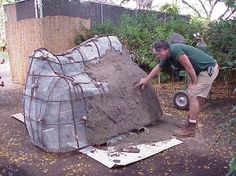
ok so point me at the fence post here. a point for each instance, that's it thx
(102, 13)
(38, 5)
(36, 8)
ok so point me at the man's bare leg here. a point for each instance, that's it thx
(194, 107)
(188, 130)
(202, 102)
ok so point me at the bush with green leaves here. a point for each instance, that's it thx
(103, 28)
(222, 41)
(139, 32)
(232, 165)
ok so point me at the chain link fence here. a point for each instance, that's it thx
(97, 12)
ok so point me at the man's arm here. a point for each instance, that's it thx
(184, 61)
(155, 71)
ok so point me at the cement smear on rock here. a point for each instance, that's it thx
(124, 107)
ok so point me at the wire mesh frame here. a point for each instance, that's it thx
(73, 87)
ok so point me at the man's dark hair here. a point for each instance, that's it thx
(161, 44)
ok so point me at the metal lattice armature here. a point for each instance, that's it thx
(57, 86)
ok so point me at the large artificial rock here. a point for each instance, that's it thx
(85, 96)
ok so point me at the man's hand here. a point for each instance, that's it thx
(190, 88)
(155, 71)
(142, 82)
(184, 61)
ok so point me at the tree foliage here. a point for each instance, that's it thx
(202, 8)
(222, 41)
(6, 1)
(207, 7)
(170, 8)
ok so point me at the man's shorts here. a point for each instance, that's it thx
(204, 83)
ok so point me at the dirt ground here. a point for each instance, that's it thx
(207, 154)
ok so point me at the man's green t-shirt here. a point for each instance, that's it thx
(199, 59)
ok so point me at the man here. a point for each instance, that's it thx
(202, 70)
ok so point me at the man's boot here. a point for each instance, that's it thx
(183, 123)
(186, 131)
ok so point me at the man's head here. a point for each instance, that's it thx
(161, 49)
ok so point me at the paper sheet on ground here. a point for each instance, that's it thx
(111, 158)
(18, 116)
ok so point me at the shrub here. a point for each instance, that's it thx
(232, 166)
(139, 32)
(103, 28)
(222, 41)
